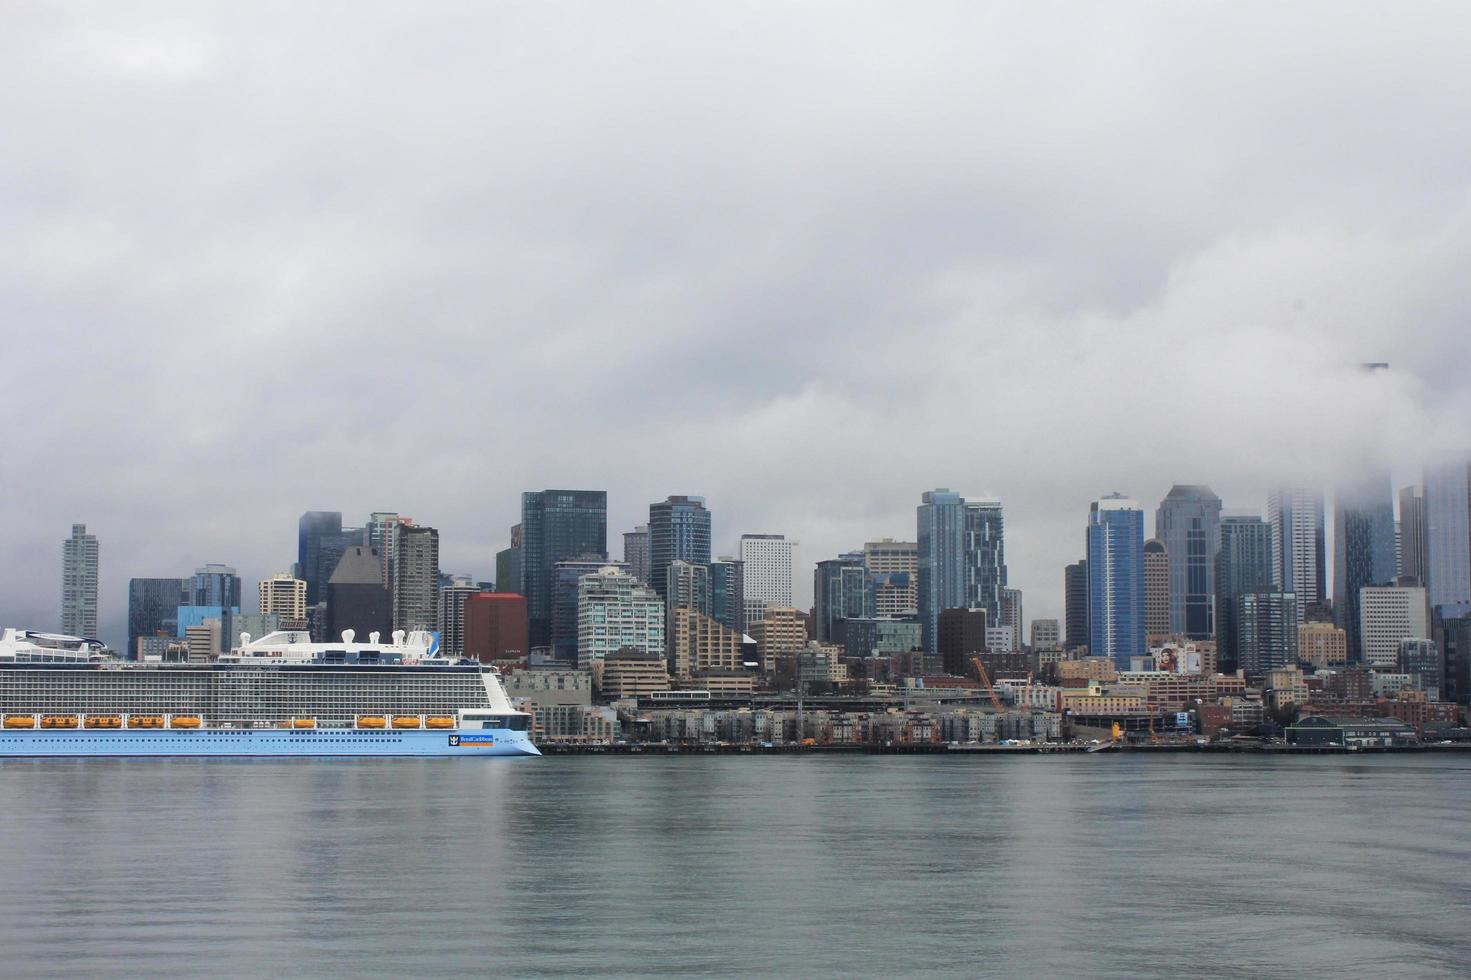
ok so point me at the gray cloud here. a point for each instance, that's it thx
(807, 260)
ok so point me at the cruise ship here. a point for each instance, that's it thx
(279, 695)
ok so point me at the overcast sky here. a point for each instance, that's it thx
(807, 260)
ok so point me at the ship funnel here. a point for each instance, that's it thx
(347, 635)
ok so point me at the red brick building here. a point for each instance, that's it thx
(496, 627)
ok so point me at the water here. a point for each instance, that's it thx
(774, 866)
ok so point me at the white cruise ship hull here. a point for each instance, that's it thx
(338, 743)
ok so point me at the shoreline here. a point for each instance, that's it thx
(991, 749)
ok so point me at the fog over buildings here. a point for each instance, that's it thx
(804, 262)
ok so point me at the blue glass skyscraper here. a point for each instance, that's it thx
(940, 528)
(1188, 522)
(556, 525)
(1363, 549)
(1116, 579)
(679, 530)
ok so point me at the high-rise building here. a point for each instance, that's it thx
(767, 562)
(940, 523)
(960, 635)
(679, 530)
(1322, 644)
(566, 595)
(356, 597)
(1046, 635)
(1075, 604)
(1156, 588)
(698, 643)
(320, 542)
(508, 564)
(284, 596)
(1387, 615)
(1298, 563)
(840, 591)
(212, 592)
(1414, 542)
(1421, 659)
(1363, 549)
(894, 567)
(496, 627)
(1447, 574)
(153, 609)
(961, 557)
(1116, 579)
(780, 634)
(1011, 616)
(1243, 566)
(79, 583)
(985, 558)
(727, 593)
(556, 525)
(381, 534)
(452, 599)
(1452, 628)
(617, 612)
(636, 552)
(1188, 522)
(1265, 631)
(880, 637)
(414, 583)
(687, 585)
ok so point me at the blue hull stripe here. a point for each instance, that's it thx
(266, 742)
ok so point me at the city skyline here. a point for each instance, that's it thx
(845, 299)
(1045, 601)
(1043, 428)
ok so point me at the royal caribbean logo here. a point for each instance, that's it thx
(454, 740)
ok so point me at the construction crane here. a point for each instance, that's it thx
(986, 682)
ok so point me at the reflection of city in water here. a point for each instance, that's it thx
(776, 865)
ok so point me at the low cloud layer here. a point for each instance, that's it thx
(805, 260)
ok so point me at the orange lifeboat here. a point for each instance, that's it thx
(184, 721)
(371, 721)
(20, 721)
(58, 721)
(303, 723)
(405, 721)
(439, 721)
(103, 721)
(145, 721)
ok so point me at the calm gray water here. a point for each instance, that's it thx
(688, 866)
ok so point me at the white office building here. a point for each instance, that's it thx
(1389, 614)
(767, 575)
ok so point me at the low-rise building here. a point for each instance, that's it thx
(1286, 686)
(727, 683)
(1319, 730)
(1088, 668)
(629, 674)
